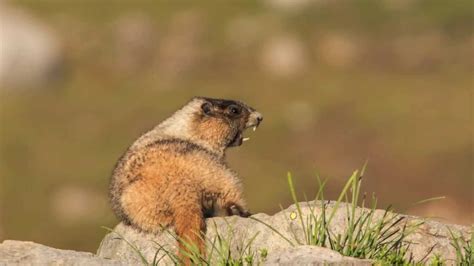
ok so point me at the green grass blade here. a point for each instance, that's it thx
(298, 208)
(429, 200)
(341, 196)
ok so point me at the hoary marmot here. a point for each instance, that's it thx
(175, 175)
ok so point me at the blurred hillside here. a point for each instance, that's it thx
(338, 82)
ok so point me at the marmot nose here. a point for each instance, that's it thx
(259, 117)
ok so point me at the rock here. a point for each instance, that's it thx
(311, 255)
(238, 232)
(29, 253)
(113, 245)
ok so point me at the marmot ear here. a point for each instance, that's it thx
(206, 108)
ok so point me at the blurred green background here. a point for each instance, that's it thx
(338, 82)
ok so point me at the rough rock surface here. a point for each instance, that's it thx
(239, 231)
(29, 253)
(311, 255)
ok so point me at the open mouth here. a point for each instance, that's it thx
(254, 128)
(253, 122)
(239, 137)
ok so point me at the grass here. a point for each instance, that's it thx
(381, 239)
(464, 247)
(437, 260)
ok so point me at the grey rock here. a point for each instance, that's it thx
(29, 253)
(127, 244)
(430, 236)
(311, 255)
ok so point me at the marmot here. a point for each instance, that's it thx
(175, 175)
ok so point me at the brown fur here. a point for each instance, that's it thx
(175, 179)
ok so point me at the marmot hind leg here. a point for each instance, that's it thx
(145, 207)
(190, 228)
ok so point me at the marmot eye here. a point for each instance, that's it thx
(235, 110)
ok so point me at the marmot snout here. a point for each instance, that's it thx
(175, 174)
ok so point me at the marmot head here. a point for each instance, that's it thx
(215, 124)
(223, 122)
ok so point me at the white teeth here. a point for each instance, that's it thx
(254, 128)
(245, 139)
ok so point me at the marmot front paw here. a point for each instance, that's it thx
(234, 209)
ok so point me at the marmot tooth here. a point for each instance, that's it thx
(245, 139)
(254, 128)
